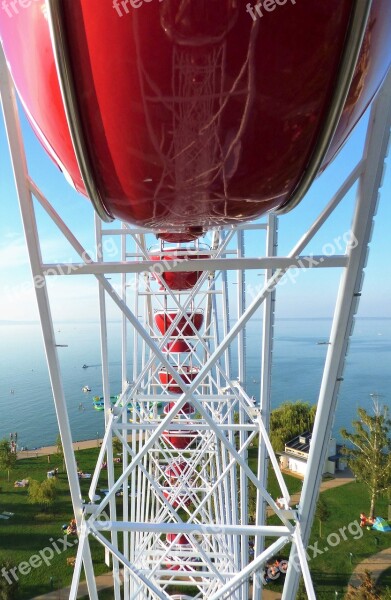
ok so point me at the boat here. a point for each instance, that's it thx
(85, 367)
(179, 158)
(85, 388)
(100, 399)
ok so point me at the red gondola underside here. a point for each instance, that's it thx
(178, 280)
(164, 320)
(187, 373)
(180, 440)
(187, 409)
(176, 500)
(194, 115)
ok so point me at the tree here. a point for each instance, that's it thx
(289, 420)
(60, 451)
(322, 512)
(117, 445)
(7, 457)
(370, 455)
(252, 502)
(8, 586)
(366, 591)
(43, 493)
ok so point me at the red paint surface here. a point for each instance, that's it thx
(180, 440)
(178, 280)
(188, 374)
(163, 321)
(198, 117)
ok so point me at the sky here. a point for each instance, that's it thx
(75, 298)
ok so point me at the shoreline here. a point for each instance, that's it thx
(50, 450)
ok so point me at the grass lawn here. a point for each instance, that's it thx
(332, 570)
(332, 566)
(31, 529)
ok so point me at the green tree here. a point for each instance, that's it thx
(43, 493)
(8, 586)
(322, 512)
(289, 420)
(252, 502)
(370, 455)
(7, 457)
(117, 445)
(60, 451)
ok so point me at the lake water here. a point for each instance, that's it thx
(297, 367)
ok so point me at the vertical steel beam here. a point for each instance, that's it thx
(107, 402)
(241, 342)
(347, 303)
(19, 165)
(265, 391)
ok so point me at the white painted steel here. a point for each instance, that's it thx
(19, 164)
(370, 181)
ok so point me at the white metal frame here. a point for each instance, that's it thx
(215, 482)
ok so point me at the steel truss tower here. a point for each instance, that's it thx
(184, 418)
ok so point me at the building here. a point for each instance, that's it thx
(295, 456)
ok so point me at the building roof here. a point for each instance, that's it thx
(300, 444)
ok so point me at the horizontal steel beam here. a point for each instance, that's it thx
(210, 264)
(185, 425)
(140, 230)
(191, 528)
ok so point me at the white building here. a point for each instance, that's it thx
(295, 456)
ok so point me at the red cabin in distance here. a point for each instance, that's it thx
(164, 320)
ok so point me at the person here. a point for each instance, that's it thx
(282, 503)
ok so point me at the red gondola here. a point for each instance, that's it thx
(164, 319)
(176, 500)
(178, 347)
(178, 539)
(187, 409)
(190, 117)
(180, 440)
(187, 373)
(178, 280)
(175, 470)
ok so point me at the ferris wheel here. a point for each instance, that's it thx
(177, 123)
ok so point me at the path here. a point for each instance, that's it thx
(106, 581)
(49, 450)
(102, 582)
(341, 478)
(375, 564)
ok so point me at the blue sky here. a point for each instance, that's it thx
(75, 297)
